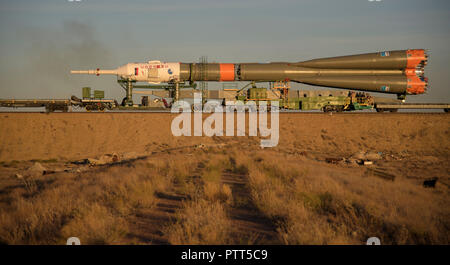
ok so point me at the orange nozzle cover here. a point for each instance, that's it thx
(410, 72)
(415, 85)
(226, 72)
(415, 57)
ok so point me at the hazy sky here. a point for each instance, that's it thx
(42, 40)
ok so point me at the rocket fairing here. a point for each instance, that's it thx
(396, 72)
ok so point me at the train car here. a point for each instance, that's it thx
(307, 100)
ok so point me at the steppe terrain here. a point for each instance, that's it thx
(123, 178)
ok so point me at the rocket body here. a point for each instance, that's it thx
(398, 72)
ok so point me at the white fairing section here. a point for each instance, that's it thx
(153, 72)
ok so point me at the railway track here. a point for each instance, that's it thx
(434, 112)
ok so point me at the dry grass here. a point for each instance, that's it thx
(215, 166)
(37, 220)
(309, 202)
(96, 225)
(315, 206)
(203, 220)
(200, 222)
(93, 206)
(216, 192)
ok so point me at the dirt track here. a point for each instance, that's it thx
(26, 136)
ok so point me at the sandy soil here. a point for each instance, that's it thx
(80, 135)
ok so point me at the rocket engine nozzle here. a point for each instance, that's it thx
(416, 84)
(416, 58)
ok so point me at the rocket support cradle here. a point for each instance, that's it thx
(395, 72)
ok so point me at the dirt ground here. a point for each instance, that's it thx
(80, 135)
(123, 178)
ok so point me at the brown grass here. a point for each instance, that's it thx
(200, 222)
(307, 200)
(203, 220)
(324, 208)
(93, 206)
(96, 225)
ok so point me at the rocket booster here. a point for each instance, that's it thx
(397, 72)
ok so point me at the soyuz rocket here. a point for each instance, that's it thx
(396, 72)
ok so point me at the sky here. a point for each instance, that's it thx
(42, 40)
